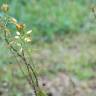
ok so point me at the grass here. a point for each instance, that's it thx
(47, 18)
(72, 54)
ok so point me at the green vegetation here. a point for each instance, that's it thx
(17, 42)
(47, 18)
(63, 40)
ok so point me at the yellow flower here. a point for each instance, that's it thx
(4, 8)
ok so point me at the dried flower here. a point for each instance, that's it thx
(20, 27)
(4, 8)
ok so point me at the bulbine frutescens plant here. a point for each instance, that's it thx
(18, 42)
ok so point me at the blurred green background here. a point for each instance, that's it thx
(64, 39)
(48, 18)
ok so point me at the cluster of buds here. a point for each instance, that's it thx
(20, 29)
(4, 8)
(26, 37)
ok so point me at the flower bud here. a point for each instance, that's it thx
(20, 27)
(13, 20)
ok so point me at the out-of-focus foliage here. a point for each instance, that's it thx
(50, 17)
(75, 53)
(47, 18)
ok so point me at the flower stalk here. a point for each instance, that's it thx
(17, 45)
